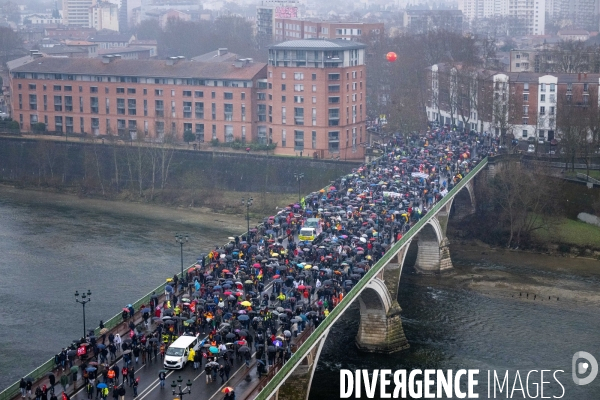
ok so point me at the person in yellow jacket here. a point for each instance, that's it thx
(191, 355)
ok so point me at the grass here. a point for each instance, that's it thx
(593, 173)
(571, 232)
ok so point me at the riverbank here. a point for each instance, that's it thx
(524, 276)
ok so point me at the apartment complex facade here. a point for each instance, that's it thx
(310, 98)
(529, 13)
(112, 96)
(422, 21)
(522, 104)
(317, 97)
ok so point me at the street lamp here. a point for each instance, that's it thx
(188, 387)
(181, 239)
(299, 177)
(247, 203)
(85, 298)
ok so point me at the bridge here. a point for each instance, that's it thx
(380, 328)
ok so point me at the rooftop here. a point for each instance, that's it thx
(142, 68)
(317, 44)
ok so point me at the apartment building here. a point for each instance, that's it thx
(317, 97)
(292, 29)
(528, 16)
(522, 104)
(113, 96)
(423, 21)
(309, 99)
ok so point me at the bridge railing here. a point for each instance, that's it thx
(353, 294)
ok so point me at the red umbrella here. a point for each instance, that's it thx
(227, 293)
(275, 276)
(226, 271)
(301, 287)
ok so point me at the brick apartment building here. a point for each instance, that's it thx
(522, 104)
(124, 97)
(317, 92)
(321, 83)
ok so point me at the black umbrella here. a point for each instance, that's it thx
(244, 349)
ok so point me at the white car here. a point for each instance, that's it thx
(531, 148)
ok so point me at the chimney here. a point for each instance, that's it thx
(221, 51)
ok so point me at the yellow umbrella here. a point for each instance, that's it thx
(246, 303)
(275, 254)
(307, 266)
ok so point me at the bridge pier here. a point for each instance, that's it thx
(298, 386)
(381, 332)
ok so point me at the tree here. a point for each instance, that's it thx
(11, 43)
(11, 11)
(148, 29)
(189, 136)
(524, 200)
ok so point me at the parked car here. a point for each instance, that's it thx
(531, 148)
(531, 139)
(541, 140)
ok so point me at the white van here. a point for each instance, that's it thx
(177, 354)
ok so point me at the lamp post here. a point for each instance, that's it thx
(299, 177)
(85, 298)
(186, 390)
(247, 202)
(181, 239)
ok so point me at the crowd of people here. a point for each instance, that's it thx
(262, 290)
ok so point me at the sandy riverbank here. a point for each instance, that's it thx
(522, 275)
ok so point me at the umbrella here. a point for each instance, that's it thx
(213, 350)
(94, 363)
(74, 369)
(127, 352)
(30, 379)
(153, 340)
(227, 390)
(102, 385)
(103, 331)
(244, 349)
(90, 369)
(101, 346)
(246, 303)
(243, 318)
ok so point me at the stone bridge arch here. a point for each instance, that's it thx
(380, 328)
(433, 252)
(463, 204)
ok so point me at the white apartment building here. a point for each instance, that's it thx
(531, 12)
(104, 15)
(77, 12)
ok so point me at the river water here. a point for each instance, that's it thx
(50, 249)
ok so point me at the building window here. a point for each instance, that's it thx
(199, 110)
(213, 95)
(262, 112)
(314, 77)
(173, 112)
(94, 89)
(283, 138)
(32, 86)
(334, 116)
(145, 107)
(314, 117)
(187, 93)
(158, 92)
(228, 133)
(57, 103)
(298, 76)
(56, 88)
(159, 127)
(283, 87)
(542, 110)
(187, 110)
(333, 88)
(130, 90)
(334, 142)
(524, 133)
(121, 106)
(298, 140)
(298, 88)
(525, 110)
(228, 96)
(187, 127)
(298, 99)
(69, 103)
(525, 96)
(200, 133)
(542, 98)
(333, 77)
(283, 119)
(334, 100)
(585, 87)
(69, 124)
(199, 94)
(542, 87)
(33, 102)
(262, 134)
(120, 90)
(243, 112)
(228, 109)
(298, 116)
(131, 107)
(159, 108)
(58, 124)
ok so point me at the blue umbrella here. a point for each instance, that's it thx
(90, 369)
(146, 310)
(213, 350)
(277, 343)
(217, 287)
(169, 289)
(102, 385)
(101, 346)
(243, 318)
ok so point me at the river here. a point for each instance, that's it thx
(52, 245)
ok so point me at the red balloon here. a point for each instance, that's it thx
(391, 56)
